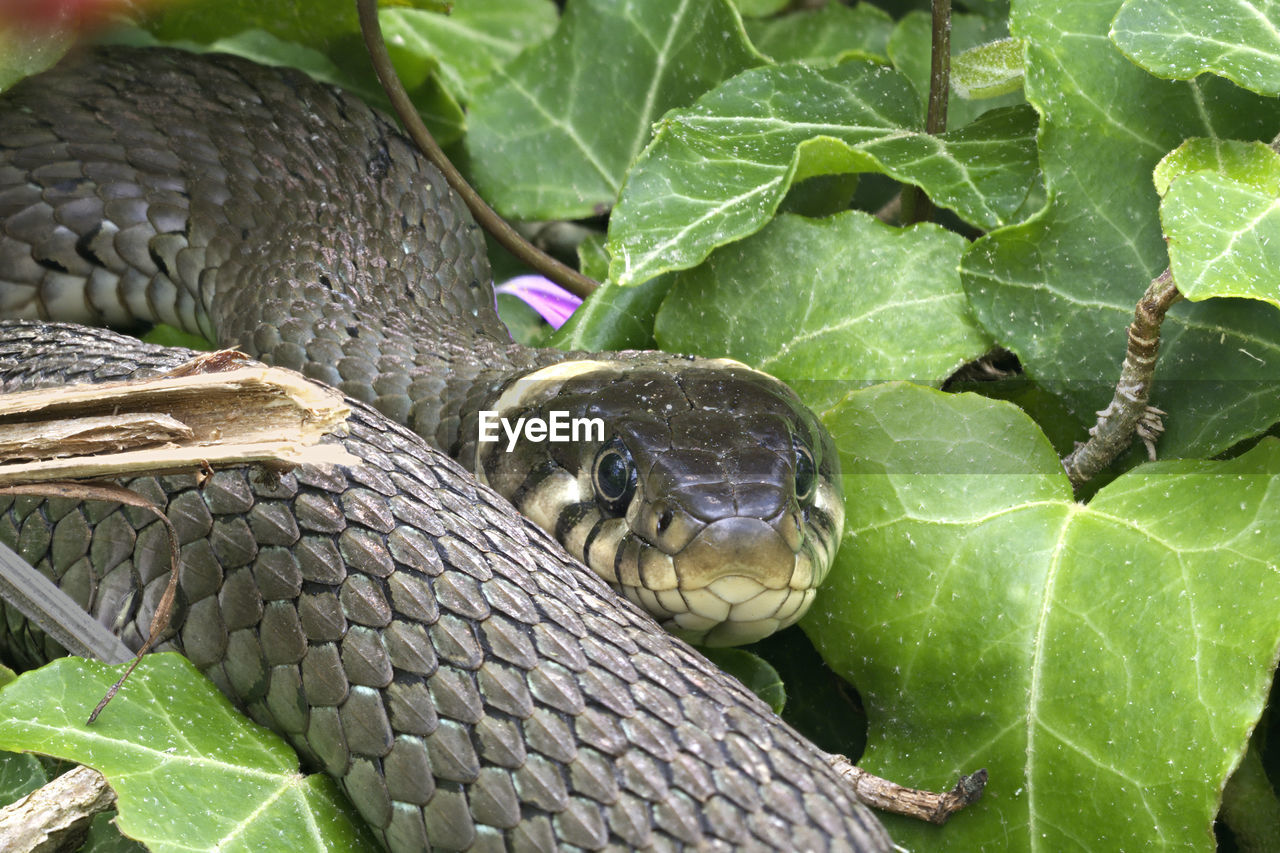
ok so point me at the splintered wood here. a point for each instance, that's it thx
(211, 412)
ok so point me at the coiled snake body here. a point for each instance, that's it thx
(467, 682)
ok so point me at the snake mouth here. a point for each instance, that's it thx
(736, 580)
(735, 586)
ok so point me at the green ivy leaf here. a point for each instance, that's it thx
(1060, 289)
(538, 146)
(325, 25)
(354, 72)
(819, 702)
(593, 260)
(23, 773)
(614, 317)
(1224, 238)
(467, 45)
(104, 837)
(827, 303)
(821, 195)
(1251, 162)
(25, 53)
(1220, 216)
(1180, 39)
(988, 70)
(165, 335)
(523, 322)
(263, 47)
(830, 33)
(717, 171)
(995, 9)
(318, 24)
(170, 745)
(1105, 663)
(20, 774)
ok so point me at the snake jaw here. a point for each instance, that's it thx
(731, 569)
(732, 591)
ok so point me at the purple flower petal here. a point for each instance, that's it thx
(552, 301)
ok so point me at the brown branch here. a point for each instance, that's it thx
(910, 802)
(111, 493)
(212, 410)
(939, 69)
(565, 276)
(1128, 412)
(916, 206)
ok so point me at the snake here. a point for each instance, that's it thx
(408, 622)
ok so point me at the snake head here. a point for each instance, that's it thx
(704, 491)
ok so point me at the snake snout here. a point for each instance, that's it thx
(742, 579)
(747, 550)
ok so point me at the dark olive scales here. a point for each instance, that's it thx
(469, 684)
(284, 217)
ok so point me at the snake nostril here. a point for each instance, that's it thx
(664, 520)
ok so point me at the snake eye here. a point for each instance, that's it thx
(806, 470)
(614, 476)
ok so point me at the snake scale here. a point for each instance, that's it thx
(469, 684)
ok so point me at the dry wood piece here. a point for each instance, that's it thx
(200, 415)
(87, 436)
(57, 816)
(911, 802)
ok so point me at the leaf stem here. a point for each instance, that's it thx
(1128, 411)
(565, 276)
(1250, 807)
(916, 206)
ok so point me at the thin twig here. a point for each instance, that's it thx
(910, 802)
(53, 611)
(565, 276)
(1128, 412)
(916, 206)
(111, 493)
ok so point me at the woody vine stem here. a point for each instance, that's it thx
(916, 206)
(1129, 411)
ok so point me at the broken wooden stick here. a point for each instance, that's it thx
(57, 816)
(186, 420)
